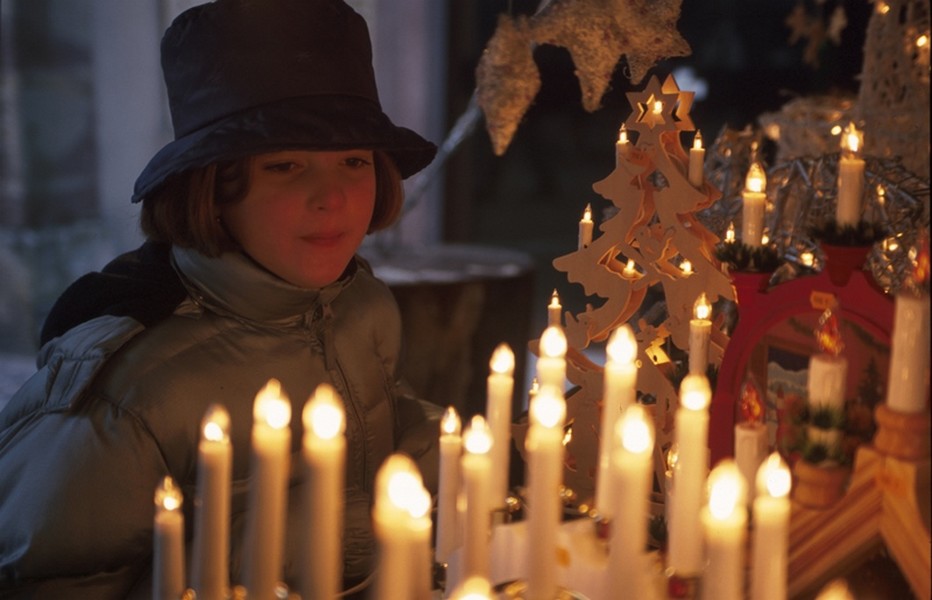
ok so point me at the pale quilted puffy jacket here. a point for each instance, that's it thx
(115, 406)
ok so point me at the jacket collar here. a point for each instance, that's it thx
(235, 284)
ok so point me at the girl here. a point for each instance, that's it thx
(282, 162)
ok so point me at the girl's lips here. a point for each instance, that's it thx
(323, 239)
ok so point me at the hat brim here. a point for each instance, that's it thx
(308, 123)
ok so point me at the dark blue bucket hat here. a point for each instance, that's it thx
(252, 76)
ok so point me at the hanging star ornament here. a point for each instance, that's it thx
(596, 33)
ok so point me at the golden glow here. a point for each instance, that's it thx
(852, 139)
(450, 423)
(756, 181)
(726, 489)
(555, 300)
(922, 41)
(587, 214)
(882, 7)
(807, 258)
(730, 233)
(503, 360)
(657, 107)
(630, 269)
(553, 342)
(695, 393)
(702, 309)
(216, 424)
(399, 482)
(272, 406)
(548, 408)
(623, 134)
(323, 414)
(478, 437)
(697, 141)
(622, 347)
(636, 430)
(686, 267)
(672, 457)
(836, 130)
(773, 477)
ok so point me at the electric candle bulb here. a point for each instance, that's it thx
(551, 365)
(168, 539)
(630, 271)
(636, 432)
(451, 447)
(807, 259)
(730, 234)
(554, 310)
(700, 332)
(622, 146)
(270, 407)
(771, 530)
(585, 228)
(209, 571)
(754, 200)
(658, 107)
(702, 309)
(687, 267)
(695, 392)
(500, 389)
(324, 454)
(725, 523)
(696, 159)
(623, 135)
(397, 496)
(850, 177)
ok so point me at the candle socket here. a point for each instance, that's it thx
(902, 435)
(686, 587)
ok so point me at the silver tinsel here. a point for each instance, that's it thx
(801, 195)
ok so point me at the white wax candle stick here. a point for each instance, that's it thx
(555, 311)
(210, 549)
(265, 518)
(631, 466)
(725, 525)
(754, 199)
(700, 332)
(421, 556)
(168, 543)
(696, 162)
(477, 469)
(396, 485)
(908, 387)
(324, 453)
(622, 146)
(545, 476)
(551, 364)
(451, 447)
(771, 530)
(850, 178)
(691, 427)
(499, 390)
(619, 392)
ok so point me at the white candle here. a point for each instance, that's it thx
(477, 471)
(499, 390)
(908, 387)
(691, 427)
(700, 331)
(324, 452)
(754, 200)
(397, 484)
(724, 521)
(451, 447)
(771, 530)
(696, 161)
(585, 228)
(730, 234)
(210, 550)
(631, 466)
(630, 271)
(421, 556)
(545, 475)
(168, 542)
(473, 588)
(619, 392)
(850, 178)
(265, 518)
(555, 310)
(551, 364)
(622, 146)
(686, 267)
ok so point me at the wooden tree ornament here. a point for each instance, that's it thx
(642, 248)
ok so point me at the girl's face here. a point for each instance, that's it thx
(306, 212)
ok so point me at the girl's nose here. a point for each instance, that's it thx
(326, 193)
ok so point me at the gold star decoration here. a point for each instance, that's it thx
(654, 108)
(595, 32)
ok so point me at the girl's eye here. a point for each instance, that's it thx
(280, 167)
(357, 162)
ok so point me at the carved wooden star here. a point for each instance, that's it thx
(654, 108)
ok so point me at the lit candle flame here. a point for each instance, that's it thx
(399, 481)
(922, 41)
(695, 393)
(702, 309)
(587, 214)
(503, 360)
(730, 233)
(697, 141)
(450, 423)
(756, 180)
(477, 438)
(272, 406)
(672, 457)
(726, 489)
(474, 588)
(851, 140)
(883, 8)
(686, 267)
(773, 477)
(807, 258)
(555, 300)
(623, 134)
(553, 342)
(216, 424)
(622, 347)
(323, 413)
(630, 269)
(635, 430)
(765, 238)
(548, 408)
(658, 107)
(168, 495)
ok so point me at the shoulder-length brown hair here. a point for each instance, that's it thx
(181, 211)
